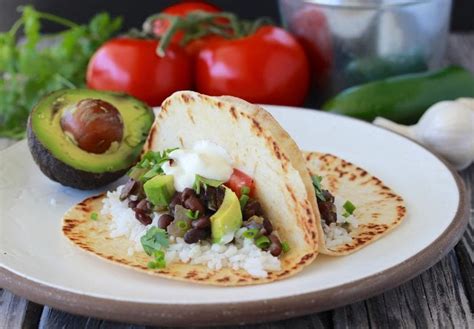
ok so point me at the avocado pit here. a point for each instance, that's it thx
(93, 125)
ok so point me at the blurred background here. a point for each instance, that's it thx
(134, 13)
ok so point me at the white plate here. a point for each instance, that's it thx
(40, 263)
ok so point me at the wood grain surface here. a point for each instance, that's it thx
(441, 297)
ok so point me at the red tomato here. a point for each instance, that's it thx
(310, 26)
(132, 66)
(269, 67)
(181, 9)
(239, 180)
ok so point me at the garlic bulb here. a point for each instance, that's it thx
(446, 127)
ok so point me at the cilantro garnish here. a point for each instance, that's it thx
(199, 180)
(317, 187)
(158, 261)
(94, 216)
(154, 240)
(150, 165)
(285, 246)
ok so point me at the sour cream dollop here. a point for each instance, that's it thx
(206, 159)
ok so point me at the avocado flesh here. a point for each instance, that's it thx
(228, 217)
(63, 161)
(159, 190)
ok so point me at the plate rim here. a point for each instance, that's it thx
(234, 313)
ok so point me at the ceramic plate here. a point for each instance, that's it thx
(37, 262)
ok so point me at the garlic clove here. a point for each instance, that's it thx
(448, 128)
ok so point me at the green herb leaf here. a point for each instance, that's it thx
(192, 214)
(182, 225)
(94, 216)
(285, 246)
(199, 180)
(262, 242)
(244, 198)
(317, 187)
(154, 239)
(349, 208)
(245, 190)
(159, 260)
(250, 233)
(150, 165)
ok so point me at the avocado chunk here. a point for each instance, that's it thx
(228, 217)
(85, 138)
(160, 190)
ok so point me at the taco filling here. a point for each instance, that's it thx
(337, 215)
(193, 206)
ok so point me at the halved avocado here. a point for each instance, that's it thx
(55, 140)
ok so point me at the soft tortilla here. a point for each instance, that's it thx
(379, 209)
(259, 146)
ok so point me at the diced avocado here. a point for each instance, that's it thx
(228, 217)
(59, 154)
(159, 190)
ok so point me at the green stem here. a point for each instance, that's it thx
(57, 19)
(16, 26)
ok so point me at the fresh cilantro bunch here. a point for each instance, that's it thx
(38, 63)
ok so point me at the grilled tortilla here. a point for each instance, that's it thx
(379, 209)
(256, 142)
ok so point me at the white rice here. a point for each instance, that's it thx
(242, 254)
(338, 233)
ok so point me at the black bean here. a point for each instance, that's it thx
(327, 210)
(267, 225)
(201, 223)
(187, 193)
(212, 197)
(194, 204)
(132, 204)
(275, 247)
(328, 196)
(127, 189)
(164, 221)
(252, 208)
(144, 205)
(195, 235)
(142, 217)
(176, 200)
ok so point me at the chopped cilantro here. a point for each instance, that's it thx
(245, 190)
(199, 180)
(285, 247)
(94, 216)
(150, 165)
(317, 187)
(154, 239)
(159, 260)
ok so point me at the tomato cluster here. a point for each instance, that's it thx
(267, 66)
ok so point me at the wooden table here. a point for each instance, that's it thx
(441, 297)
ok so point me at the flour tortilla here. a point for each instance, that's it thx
(379, 209)
(259, 147)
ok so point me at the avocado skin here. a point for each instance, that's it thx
(64, 174)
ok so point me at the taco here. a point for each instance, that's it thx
(355, 207)
(220, 196)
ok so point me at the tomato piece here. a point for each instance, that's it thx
(181, 9)
(268, 67)
(132, 66)
(239, 179)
